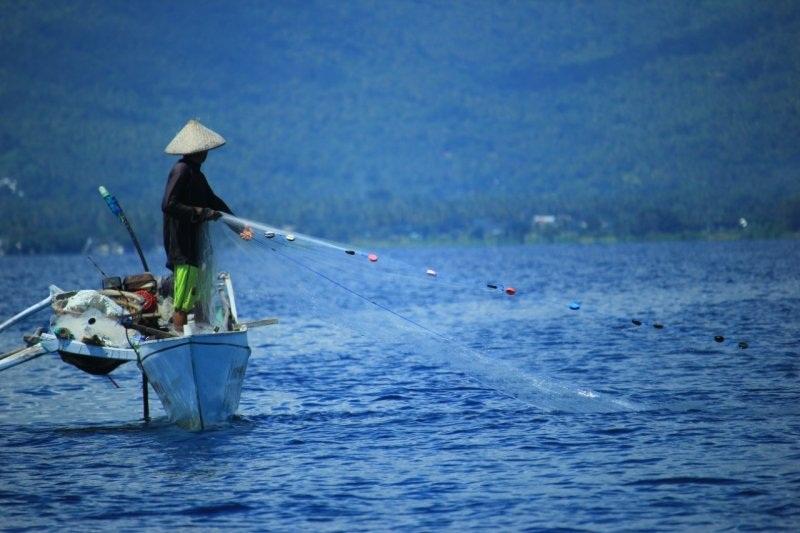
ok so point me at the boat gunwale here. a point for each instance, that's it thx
(175, 345)
(127, 353)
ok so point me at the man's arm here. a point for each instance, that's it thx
(218, 204)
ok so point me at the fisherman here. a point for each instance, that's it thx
(188, 203)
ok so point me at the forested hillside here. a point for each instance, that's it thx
(439, 120)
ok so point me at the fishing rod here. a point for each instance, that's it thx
(113, 204)
(92, 261)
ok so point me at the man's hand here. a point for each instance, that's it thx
(204, 213)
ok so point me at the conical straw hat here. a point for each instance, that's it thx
(194, 137)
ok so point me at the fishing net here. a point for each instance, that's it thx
(421, 313)
(209, 307)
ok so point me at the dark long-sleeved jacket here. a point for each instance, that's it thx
(187, 189)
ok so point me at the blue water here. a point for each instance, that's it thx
(340, 433)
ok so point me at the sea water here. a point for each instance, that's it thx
(337, 432)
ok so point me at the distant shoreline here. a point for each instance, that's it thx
(530, 240)
(720, 236)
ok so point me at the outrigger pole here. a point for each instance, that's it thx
(113, 204)
(27, 312)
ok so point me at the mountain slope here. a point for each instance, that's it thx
(362, 119)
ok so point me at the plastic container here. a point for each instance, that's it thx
(189, 328)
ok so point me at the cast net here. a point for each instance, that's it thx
(419, 313)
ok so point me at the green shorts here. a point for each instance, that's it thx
(185, 287)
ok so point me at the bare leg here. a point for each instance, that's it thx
(179, 320)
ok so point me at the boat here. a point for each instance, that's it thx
(197, 375)
(198, 378)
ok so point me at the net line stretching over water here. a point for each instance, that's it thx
(359, 290)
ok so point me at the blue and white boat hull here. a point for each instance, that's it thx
(198, 378)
